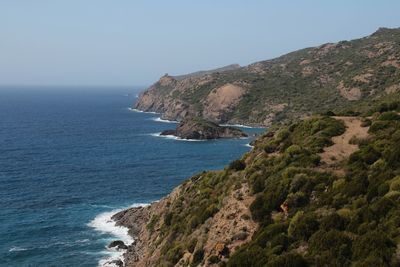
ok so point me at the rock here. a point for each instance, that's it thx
(222, 249)
(132, 218)
(200, 129)
(118, 263)
(168, 132)
(239, 236)
(118, 244)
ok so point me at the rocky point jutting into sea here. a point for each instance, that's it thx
(200, 129)
(322, 190)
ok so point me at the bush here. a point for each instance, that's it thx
(175, 254)
(375, 245)
(389, 116)
(257, 182)
(264, 236)
(237, 165)
(288, 260)
(333, 221)
(297, 199)
(213, 259)
(330, 248)
(168, 218)
(198, 257)
(395, 184)
(302, 226)
(378, 126)
(249, 256)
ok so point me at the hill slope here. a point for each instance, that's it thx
(291, 201)
(327, 77)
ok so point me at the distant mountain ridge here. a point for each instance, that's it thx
(328, 77)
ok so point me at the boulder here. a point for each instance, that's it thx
(117, 244)
(118, 263)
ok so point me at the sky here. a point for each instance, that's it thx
(134, 42)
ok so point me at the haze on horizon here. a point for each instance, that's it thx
(126, 43)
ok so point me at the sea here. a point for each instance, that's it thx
(70, 158)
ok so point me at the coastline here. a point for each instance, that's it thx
(106, 224)
(161, 119)
(144, 249)
(142, 252)
(173, 137)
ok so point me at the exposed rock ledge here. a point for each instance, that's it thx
(197, 128)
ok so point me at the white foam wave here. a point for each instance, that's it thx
(173, 137)
(141, 111)
(105, 225)
(248, 145)
(158, 119)
(237, 125)
(16, 249)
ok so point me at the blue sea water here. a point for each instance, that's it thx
(69, 157)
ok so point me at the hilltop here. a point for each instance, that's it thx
(329, 77)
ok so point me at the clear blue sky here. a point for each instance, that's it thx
(128, 42)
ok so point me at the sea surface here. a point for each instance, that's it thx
(72, 157)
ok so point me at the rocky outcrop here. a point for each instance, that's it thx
(118, 263)
(118, 245)
(200, 129)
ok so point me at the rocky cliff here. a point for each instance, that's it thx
(328, 77)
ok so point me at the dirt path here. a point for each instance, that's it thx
(341, 148)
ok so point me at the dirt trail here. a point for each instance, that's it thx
(341, 148)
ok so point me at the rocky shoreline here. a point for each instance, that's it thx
(143, 251)
(134, 219)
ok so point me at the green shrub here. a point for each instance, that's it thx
(257, 182)
(389, 116)
(395, 184)
(175, 254)
(330, 248)
(249, 256)
(297, 199)
(287, 260)
(333, 221)
(214, 259)
(375, 245)
(198, 257)
(264, 236)
(168, 218)
(237, 165)
(303, 225)
(379, 126)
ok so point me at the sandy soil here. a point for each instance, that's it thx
(341, 148)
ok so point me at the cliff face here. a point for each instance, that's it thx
(328, 77)
(320, 192)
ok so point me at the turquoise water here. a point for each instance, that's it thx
(70, 157)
